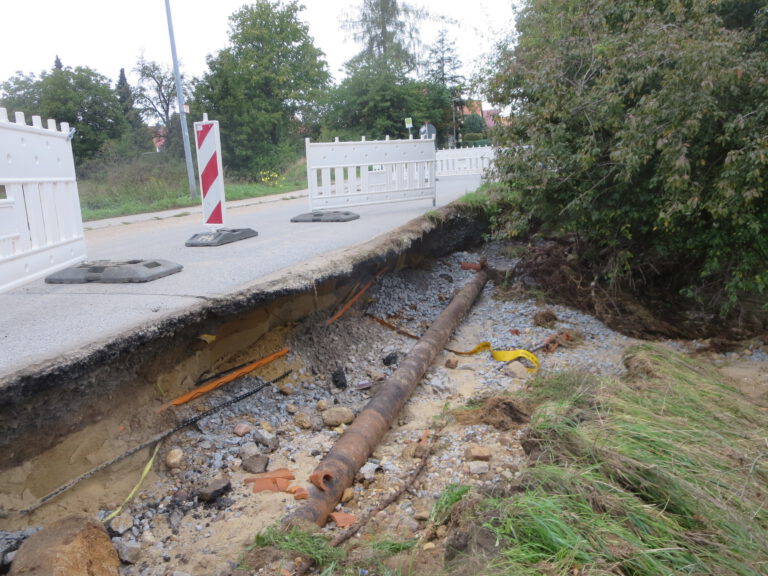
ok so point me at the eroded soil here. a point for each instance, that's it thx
(459, 425)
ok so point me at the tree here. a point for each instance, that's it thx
(644, 126)
(139, 138)
(443, 64)
(80, 96)
(474, 123)
(388, 31)
(21, 93)
(262, 86)
(155, 93)
(374, 103)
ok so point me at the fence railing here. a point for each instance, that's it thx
(461, 161)
(41, 227)
(345, 174)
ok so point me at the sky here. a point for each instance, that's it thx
(107, 36)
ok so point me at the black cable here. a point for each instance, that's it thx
(154, 440)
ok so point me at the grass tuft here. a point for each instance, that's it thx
(441, 509)
(311, 546)
(664, 473)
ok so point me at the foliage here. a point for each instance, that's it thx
(118, 185)
(262, 87)
(137, 135)
(452, 494)
(79, 96)
(443, 64)
(313, 546)
(374, 102)
(388, 31)
(155, 94)
(661, 474)
(642, 126)
(474, 123)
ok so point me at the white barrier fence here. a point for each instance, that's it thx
(461, 161)
(41, 227)
(345, 174)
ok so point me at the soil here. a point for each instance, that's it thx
(460, 424)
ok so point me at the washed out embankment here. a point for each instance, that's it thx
(42, 404)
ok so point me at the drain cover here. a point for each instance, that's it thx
(330, 216)
(221, 236)
(108, 272)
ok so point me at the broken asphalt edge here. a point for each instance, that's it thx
(60, 394)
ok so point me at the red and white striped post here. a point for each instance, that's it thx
(208, 145)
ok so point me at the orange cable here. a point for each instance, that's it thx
(197, 392)
(355, 298)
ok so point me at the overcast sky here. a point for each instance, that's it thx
(106, 35)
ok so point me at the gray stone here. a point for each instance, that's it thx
(256, 464)
(214, 489)
(368, 470)
(121, 524)
(128, 552)
(247, 450)
(266, 439)
(478, 467)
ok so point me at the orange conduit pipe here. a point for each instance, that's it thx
(337, 470)
(218, 382)
(356, 297)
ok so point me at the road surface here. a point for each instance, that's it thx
(42, 322)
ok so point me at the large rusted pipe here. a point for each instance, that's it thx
(337, 470)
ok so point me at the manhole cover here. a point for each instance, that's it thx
(330, 216)
(108, 272)
(221, 236)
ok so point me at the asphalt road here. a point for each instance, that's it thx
(43, 322)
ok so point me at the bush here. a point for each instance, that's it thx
(643, 127)
(474, 123)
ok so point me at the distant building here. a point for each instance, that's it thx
(159, 134)
(491, 116)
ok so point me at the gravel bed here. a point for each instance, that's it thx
(170, 530)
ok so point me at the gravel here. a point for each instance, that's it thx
(175, 531)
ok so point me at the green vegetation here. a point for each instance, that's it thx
(297, 541)
(452, 494)
(638, 128)
(153, 182)
(263, 88)
(662, 474)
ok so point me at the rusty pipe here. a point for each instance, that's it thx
(337, 470)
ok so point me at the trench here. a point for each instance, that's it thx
(59, 421)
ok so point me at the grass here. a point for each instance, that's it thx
(301, 542)
(662, 474)
(328, 559)
(152, 183)
(441, 509)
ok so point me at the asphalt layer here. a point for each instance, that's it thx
(44, 323)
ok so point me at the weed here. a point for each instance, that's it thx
(312, 546)
(442, 508)
(390, 547)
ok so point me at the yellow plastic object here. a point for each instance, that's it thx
(504, 355)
